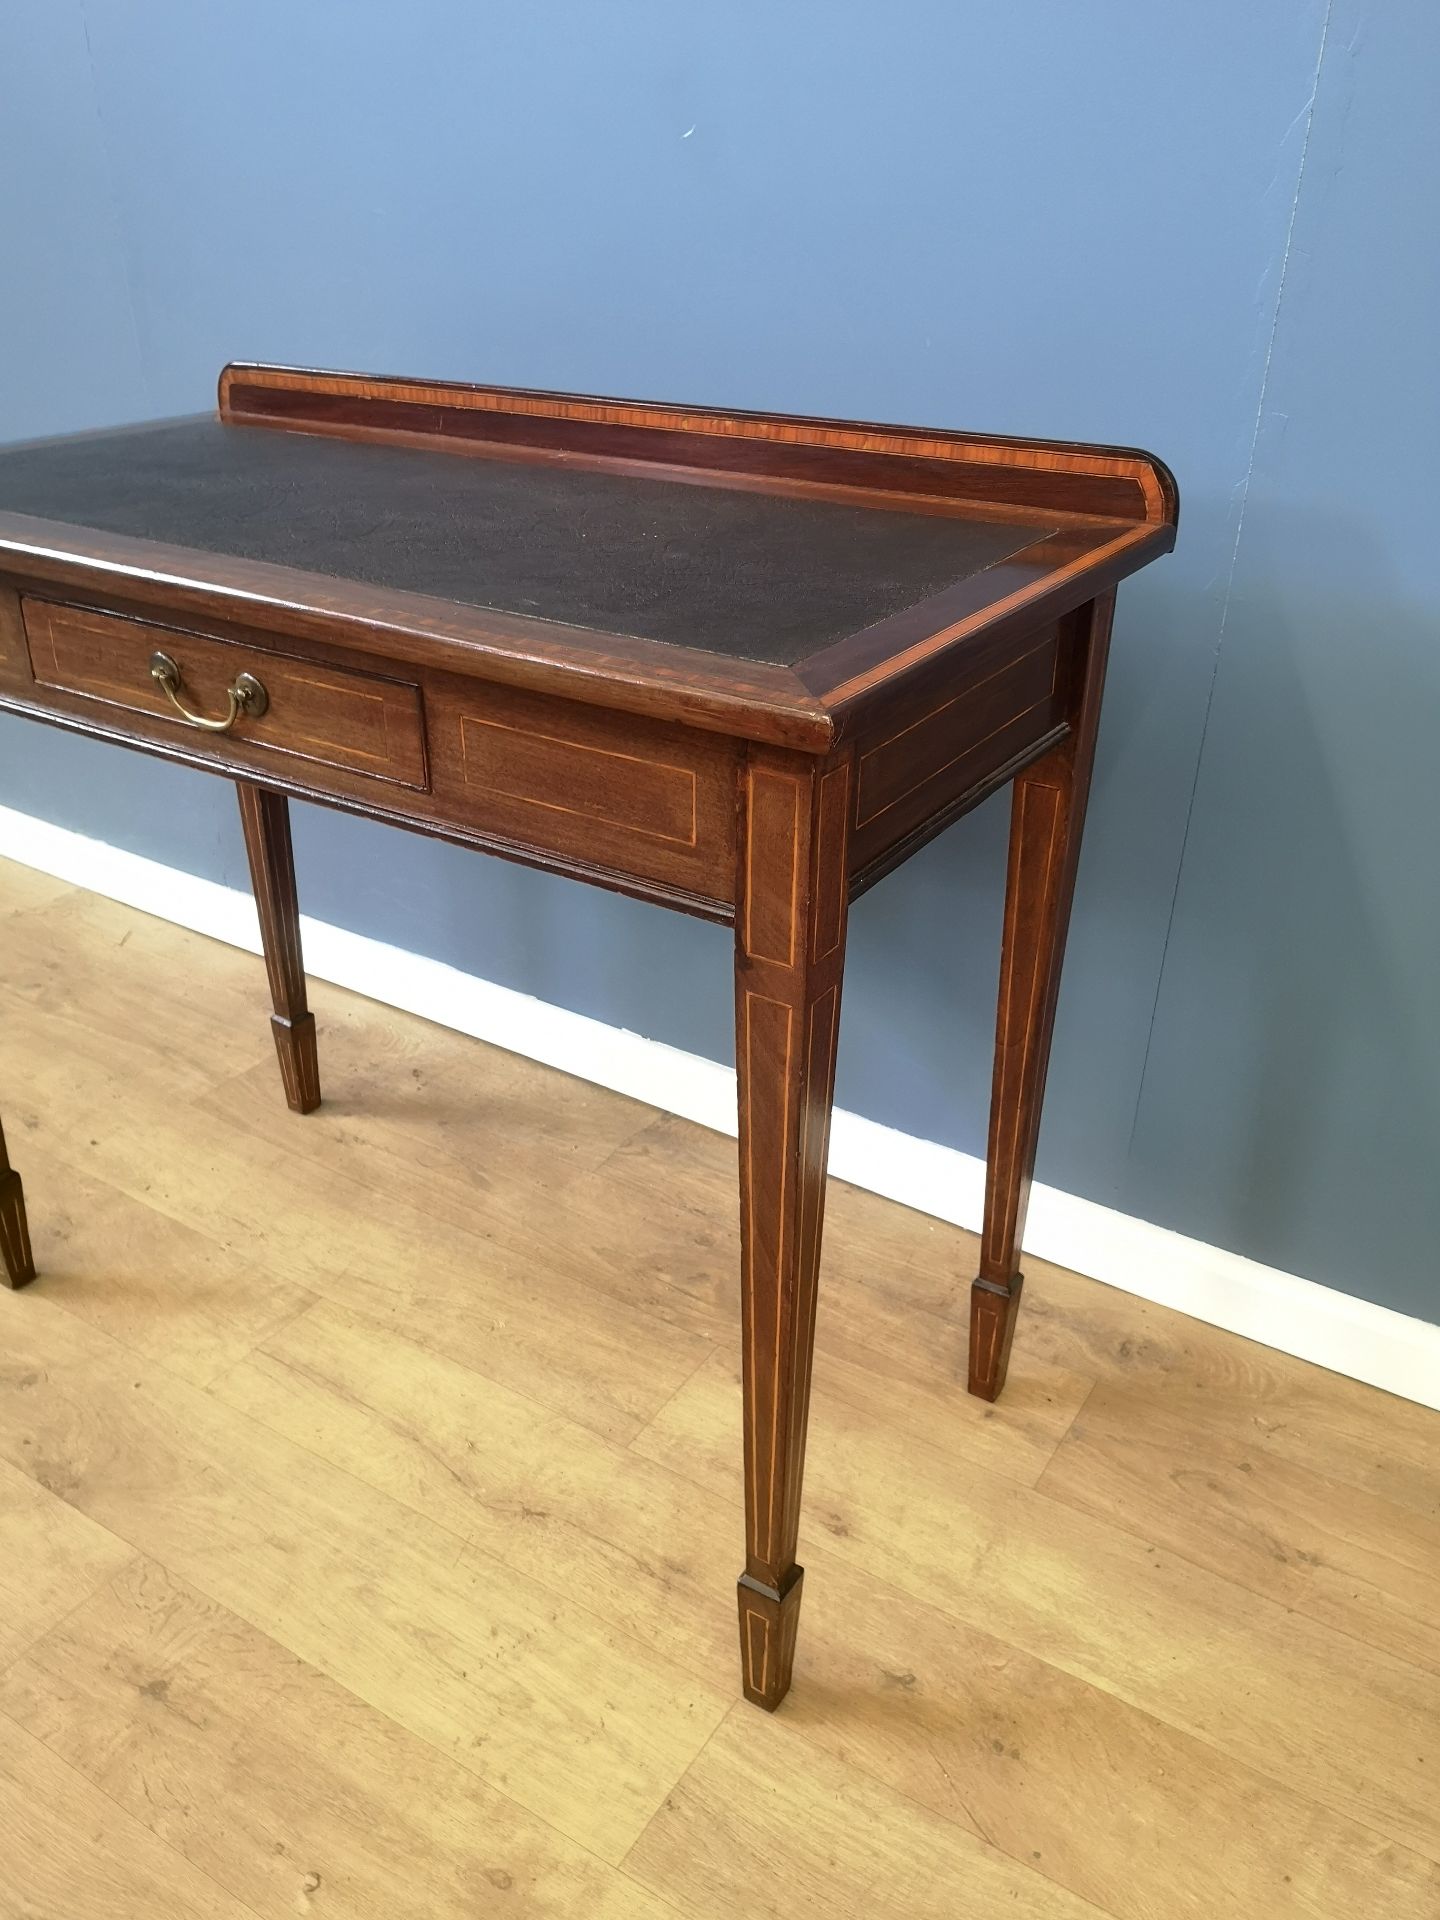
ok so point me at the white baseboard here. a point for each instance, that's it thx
(1281, 1310)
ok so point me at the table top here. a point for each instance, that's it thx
(755, 576)
(740, 557)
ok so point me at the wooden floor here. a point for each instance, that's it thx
(370, 1517)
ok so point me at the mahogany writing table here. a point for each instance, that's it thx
(740, 664)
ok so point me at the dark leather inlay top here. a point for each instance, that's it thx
(750, 575)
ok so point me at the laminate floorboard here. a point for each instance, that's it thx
(370, 1511)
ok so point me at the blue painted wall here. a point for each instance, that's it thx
(1194, 229)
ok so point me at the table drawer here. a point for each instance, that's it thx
(334, 716)
(588, 785)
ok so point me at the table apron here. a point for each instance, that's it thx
(642, 806)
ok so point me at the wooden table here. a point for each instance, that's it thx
(739, 664)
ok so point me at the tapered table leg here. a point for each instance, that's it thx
(265, 817)
(14, 1232)
(789, 960)
(1046, 820)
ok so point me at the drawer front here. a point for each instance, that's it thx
(590, 785)
(361, 722)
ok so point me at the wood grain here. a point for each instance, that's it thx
(956, 1719)
(51, 1557)
(15, 1255)
(891, 1331)
(1347, 1724)
(653, 802)
(366, 723)
(601, 727)
(930, 753)
(1098, 514)
(585, 1726)
(204, 1731)
(1223, 1389)
(261, 601)
(1107, 1800)
(789, 960)
(252, 1634)
(70, 1850)
(564, 1343)
(265, 819)
(854, 454)
(1293, 1531)
(1047, 820)
(14, 654)
(113, 1261)
(754, 1814)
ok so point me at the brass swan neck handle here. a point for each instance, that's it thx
(246, 695)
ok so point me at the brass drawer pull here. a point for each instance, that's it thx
(247, 695)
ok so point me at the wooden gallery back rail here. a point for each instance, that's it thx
(738, 664)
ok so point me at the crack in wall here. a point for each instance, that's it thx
(1307, 114)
